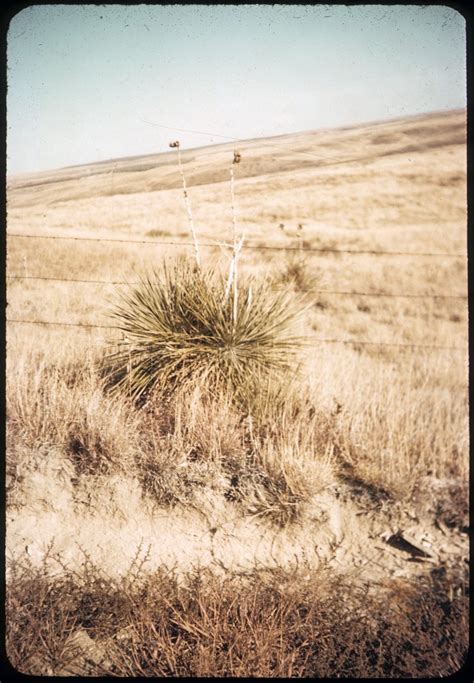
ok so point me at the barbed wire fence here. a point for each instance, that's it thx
(313, 341)
(320, 157)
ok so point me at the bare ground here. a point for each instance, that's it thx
(109, 521)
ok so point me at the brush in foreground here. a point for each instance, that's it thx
(178, 326)
(280, 625)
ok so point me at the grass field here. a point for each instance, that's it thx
(189, 536)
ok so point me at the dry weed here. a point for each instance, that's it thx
(282, 626)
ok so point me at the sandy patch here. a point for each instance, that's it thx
(107, 521)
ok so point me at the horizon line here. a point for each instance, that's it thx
(111, 160)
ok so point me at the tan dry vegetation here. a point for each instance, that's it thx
(370, 442)
(270, 626)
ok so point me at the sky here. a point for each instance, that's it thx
(88, 82)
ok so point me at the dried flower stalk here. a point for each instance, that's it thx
(176, 145)
(236, 246)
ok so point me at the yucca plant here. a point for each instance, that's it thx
(179, 327)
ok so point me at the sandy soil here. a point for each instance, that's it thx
(108, 521)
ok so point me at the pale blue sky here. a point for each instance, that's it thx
(84, 80)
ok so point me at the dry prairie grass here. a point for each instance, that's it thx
(363, 428)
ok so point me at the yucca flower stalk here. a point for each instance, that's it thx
(178, 330)
(236, 245)
(176, 145)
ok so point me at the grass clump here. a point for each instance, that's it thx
(298, 274)
(181, 325)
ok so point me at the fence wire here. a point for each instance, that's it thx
(314, 340)
(216, 245)
(308, 342)
(330, 292)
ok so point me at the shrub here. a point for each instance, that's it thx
(278, 625)
(179, 326)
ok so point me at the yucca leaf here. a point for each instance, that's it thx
(179, 328)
